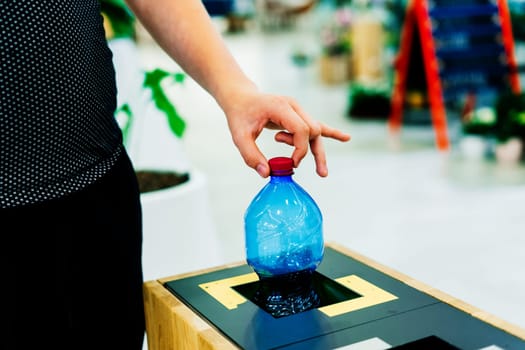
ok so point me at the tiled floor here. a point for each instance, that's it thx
(454, 224)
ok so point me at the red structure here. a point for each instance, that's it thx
(426, 21)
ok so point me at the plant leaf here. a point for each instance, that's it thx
(153, 80)
(126, 110)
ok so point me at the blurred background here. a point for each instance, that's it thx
(432, 183)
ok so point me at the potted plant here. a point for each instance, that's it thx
(477, 128)
(176, 213)
(369, 101)
(152, 115)
(334, 62)
(510, 127)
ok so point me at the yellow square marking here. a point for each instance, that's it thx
(370, 295)
(223, 292)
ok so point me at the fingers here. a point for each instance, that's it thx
(302, 142)
(298, 141)
(326, 131)
(315, 127)
(316, 131)
(297, 129)
(333, 133)
(284, 137)
(252, 155)
(317, 148)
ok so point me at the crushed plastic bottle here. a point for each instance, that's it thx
(284, 242)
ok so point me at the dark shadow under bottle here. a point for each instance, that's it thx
(287, 294)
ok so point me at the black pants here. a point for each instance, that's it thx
(71, 274)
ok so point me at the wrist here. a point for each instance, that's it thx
(227, 96)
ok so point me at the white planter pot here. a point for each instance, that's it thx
(473, 147)
(510, 151)
(179, 232)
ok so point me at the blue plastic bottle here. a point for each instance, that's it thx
(284, 242)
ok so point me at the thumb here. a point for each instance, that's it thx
(253, 156)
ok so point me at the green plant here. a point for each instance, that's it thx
(369, 100)
(335, 35)
(480, 121)
(155, 80)
(510, 110)
(119, 23)
(120, 18)
(517, 16)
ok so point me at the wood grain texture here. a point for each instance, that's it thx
(171, 325)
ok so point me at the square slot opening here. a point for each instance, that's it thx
(327, 292)
(431, 342)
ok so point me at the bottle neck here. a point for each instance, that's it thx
(280, 178)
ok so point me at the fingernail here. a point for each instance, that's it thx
(261, 170)
(323, 171)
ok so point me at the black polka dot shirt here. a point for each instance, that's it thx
(58, 133)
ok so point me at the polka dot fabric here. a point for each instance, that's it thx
(58, 133)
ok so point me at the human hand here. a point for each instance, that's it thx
(250, 112)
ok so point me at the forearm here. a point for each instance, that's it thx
(183, 29)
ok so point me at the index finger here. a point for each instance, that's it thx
(333, 133)
(299, 130)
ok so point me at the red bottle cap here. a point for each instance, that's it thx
(281, 166)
